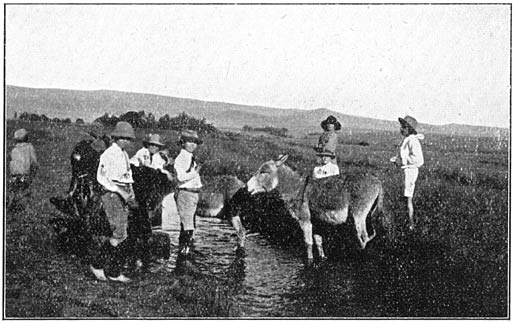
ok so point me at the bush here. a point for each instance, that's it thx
(279, 132)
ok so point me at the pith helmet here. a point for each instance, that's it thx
(154, 139)
(124, 130)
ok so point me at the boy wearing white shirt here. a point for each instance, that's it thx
(410, 159)
(187, 196)
(115, 176)
(327, 167)
(150, 156)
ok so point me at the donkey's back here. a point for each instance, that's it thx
(331, 200)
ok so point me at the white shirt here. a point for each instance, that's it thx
(114, 169)
(23, 157)
(188, 176)
(411, 153)
(143, 158)
(329, 169)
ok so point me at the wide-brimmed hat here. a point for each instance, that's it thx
(20, 134)
(330, 120)
(123, 130)
(190, 136)
(409, 121)
(154, 139)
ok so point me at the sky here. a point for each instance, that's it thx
(439, 63)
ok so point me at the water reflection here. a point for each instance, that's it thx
(410, 279)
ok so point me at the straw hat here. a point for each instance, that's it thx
(123, 130)
(154, 139)
(190, 136)
(330, 120)
(409, 121)
(20, 134)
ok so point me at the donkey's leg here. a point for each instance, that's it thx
(306, 226)
(319, 244)
(240, 231)
(360, 228)
(304, 219)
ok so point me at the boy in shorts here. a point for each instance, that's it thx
(410, 158)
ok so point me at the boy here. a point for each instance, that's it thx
(115, 176)
(155, 156)
(187, 196)
(410, 159)
(22, 167)
(328, 140)
(149, 155)
(327, 167)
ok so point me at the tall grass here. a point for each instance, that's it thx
(461, 203)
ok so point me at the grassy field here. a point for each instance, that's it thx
(461, 202)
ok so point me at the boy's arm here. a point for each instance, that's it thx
(416, 154)
(33, 158)
(181, 170)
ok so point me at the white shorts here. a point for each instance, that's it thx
(411, 174)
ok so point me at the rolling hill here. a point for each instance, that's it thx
(90, 105)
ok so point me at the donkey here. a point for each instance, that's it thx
(326, 201)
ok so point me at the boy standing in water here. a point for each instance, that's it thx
(187, 196)
(410, 159)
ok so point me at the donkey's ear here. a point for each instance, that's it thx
(281, 159)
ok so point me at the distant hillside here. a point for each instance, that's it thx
(90, 105)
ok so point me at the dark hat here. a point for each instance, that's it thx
(123, 130)
(98, 145)
(330, 120)
(190, 136)
(409, 121)
(154, 139)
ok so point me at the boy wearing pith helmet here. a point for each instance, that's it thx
(115, 176)
(410, 158)
(188, 175)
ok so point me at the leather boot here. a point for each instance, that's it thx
(186, 244)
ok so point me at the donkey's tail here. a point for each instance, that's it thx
(378, 206)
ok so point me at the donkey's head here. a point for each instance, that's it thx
(266, 177)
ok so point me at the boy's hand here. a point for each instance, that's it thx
(132, 203)
(393, 159)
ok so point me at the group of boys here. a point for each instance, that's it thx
(114, 175)
(409, 157)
